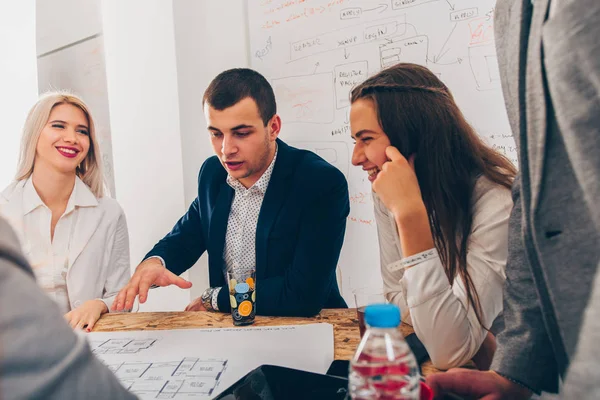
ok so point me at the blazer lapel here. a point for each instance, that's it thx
(87, 215)
(512, 22)
(217, 231)
(274, 197)
(12, 209)
(536, 100)
(87, 220)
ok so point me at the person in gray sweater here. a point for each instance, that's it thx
(41, 357)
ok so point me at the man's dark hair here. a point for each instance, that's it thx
(234, 85)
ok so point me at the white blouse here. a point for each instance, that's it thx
(440, 314)
(50, 260)
(88, 258)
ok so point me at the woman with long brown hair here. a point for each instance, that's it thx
(442, 203)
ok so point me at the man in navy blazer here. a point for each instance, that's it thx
(261, 203)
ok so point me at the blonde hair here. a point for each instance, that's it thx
(90, 169)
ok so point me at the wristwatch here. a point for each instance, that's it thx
(206, 299)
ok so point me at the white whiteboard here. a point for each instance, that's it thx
(314, 51)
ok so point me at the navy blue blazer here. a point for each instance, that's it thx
(299, 235)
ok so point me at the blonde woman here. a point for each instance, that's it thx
(74, 236)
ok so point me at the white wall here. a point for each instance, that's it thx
(71, 57)
(160, 57)
(18, 79)
(144, 110)
(210, 37)
(63, 22)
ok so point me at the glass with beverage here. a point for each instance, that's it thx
(242, 295)
(362, 298)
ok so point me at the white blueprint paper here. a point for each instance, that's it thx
(201, 363)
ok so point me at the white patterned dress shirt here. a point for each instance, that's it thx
(239, 252)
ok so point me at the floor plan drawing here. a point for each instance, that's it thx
(120, 346)
(200, 363)
(186, 378)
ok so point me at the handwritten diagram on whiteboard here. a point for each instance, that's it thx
(314, 51)
(201, 363)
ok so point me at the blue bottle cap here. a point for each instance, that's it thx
(382, 315)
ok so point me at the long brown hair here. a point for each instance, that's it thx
(419, 115)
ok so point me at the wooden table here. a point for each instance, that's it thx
(345, 326)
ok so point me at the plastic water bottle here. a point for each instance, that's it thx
(383, 367)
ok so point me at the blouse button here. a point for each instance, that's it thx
(77, 303)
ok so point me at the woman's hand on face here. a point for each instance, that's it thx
(397, 185)
(86, 314)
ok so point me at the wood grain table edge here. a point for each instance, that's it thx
(344, 321)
